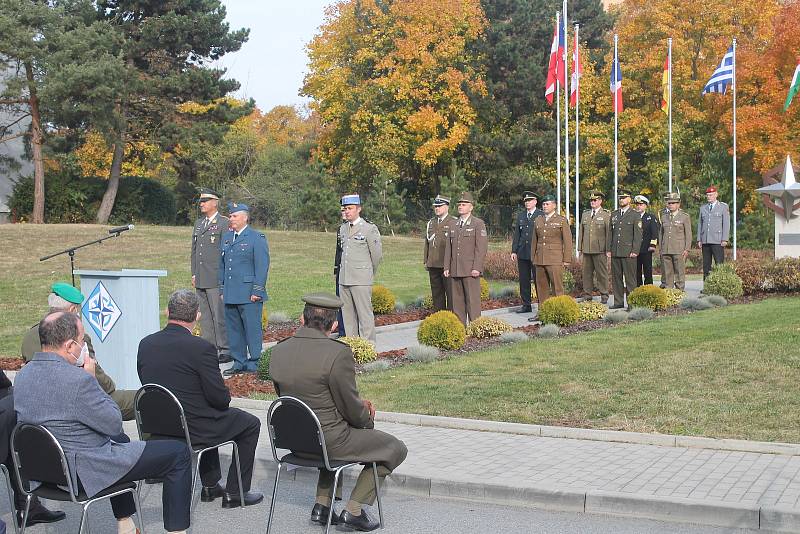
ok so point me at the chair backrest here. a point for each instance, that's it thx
(38, 456)
(159, 412)
(293, 425)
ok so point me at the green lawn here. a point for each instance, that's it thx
(301, 262)
(731, 372)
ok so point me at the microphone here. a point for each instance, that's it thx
(120, 229)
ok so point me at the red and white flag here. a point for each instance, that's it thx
(577, 72)
(556, 68)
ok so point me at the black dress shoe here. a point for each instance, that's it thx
(358, 522)
(225, 358)
(231, 500)
(40, 514)
(616, 307)
(212, 493)
(524, 309)
(319, 514)
(232, 372)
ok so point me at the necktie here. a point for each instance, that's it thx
(205, 225)
(461, 223)
(235, 235)
(529, 216)
(593, 213)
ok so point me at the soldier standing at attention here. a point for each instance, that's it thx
(551, 250)
(361, 255)
(623, 247)
(337, 261)
(713, 230)
(433, 256)
(521, 248)
(243, 269)
(675, 240)
(206, 242)
(593, 245)
(466, 244)
(644, 261)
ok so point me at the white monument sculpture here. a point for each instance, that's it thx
(787, 211)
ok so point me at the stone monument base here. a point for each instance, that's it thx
(787, 238)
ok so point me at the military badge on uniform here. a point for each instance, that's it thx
(212, 239)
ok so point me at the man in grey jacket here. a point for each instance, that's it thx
(57, 389)
(713, 230)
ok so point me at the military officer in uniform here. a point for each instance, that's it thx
(466, 244)
(713, 230)
(243, 269)
(321, 372)
(593, 245)
(361, 254)
(433, 255)
(206, 241)
(521, 247)
(650, 229)
(551, 250)
(624, 244)
(674, 241)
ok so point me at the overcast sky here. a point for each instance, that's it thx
(271, 64)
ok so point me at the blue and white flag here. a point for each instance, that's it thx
(723, 76)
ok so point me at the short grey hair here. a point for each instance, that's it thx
(58, 303)
(57, 328)
(183, 306)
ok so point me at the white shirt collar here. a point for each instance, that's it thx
(212, 217)
(464, 221)
(240, 231)
(355, 222)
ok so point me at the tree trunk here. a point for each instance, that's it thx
(37, 139)
(113, 180)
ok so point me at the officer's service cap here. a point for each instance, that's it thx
(672, 197)
(711, 189)
(323, 300)
(623, 193)
(548, 198)
(233, 207)
(641, 199)
(207, 193)
(351, 200)
(466, 196)
(597, 195)
(529, 195)
(67, 292)
(441, 201)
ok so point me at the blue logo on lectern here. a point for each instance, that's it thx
(101, 312)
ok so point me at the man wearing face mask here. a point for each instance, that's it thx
(66, 298)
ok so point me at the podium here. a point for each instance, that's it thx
(119, 309)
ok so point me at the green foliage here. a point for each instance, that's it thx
(485, 327)
(648, 296)
(716, 300)
(616, 316)
(591, 311)
(723, 281)
(383, 299)
(263, 364)
(484, 289)
(695, 304)
(674, 296)
(640, 314)
(568, 279)
(422, 353)
(756, 230)
(443, 330)
(562, 310)
(513, 337)
(753, 273)
(784, 275)
(549, 331)
(363, 349)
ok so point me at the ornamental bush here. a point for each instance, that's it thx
(716, 300)
(443, 330)
(513, 337)
(616, 316)
(753, 273)
(674, 296)
(568, 279)
(263, 365)
(695, 304)
(640, 314)
(422, 353)
(549, 331)
(591, 311)
(648, 296)
(484, 289)
(383, 300)
(363, 349)
(498, 266)
(723, 281)
(562, 311)
(784, 274)
(484, 327)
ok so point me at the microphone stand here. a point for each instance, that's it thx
(71, 252)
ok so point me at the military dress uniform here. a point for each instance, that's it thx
(551, 248)
(206, 242)
(650, 231)
(675, 240)
(433, 257)
(713, 227)
(625, 239)
(337, 262)
(244, 265)
(466, 244)
(593, 244)
(521, 246)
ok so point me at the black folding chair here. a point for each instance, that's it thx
(295, 427)
(159, 412)
(38, 456)
(7, 479)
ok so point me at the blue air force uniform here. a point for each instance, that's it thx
(244, 264)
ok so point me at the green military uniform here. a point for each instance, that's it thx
(595, 232)
(625, 239)
(675, 241)
(124, 398)
(433, 257)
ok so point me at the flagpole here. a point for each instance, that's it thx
(614, 67)
(576, 60)
(734, 149)
(566, 113)
(558, 131)
(669, 107)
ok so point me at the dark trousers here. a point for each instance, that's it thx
(441, 289)
(710, 250)
(339, 318)
(243, 429)
(527, 274)
(644, 268)
(243, 323)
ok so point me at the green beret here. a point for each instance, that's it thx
(67, 292)
(323, 300)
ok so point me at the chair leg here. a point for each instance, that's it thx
(195, 475)
(274, 493)
(25, 513)
(83, 520)
(138, 504)
(238, 473)
(377, 492)
(10, 492)
(333, 498)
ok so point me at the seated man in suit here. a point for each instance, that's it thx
(321, 372)
(188, 366)
(58, 389)
(65, 297)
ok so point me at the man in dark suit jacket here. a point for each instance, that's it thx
(187, 365)
(650, 231)
(521, 247)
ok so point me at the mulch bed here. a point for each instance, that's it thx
(245, 384)
(11, 364)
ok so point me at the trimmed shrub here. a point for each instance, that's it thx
(512, 291)
(400, 306)
(616, 316)
(549, 331)
(695, 304)
(640, 314)
(784, 274)
(568, 279)
(513, 337)
(263, 364)
(723, 281)
(484, 327)
(498, 266)
(426, 303)
(376, 366)
(591, 311)
(484, 289)
(363, 349)
(753, 274)
(674, 296)
(443, 330)
(716, 300)
(562, 311)
(422, 353)
(383, 300)
(576, 269)
(278, 317)
(648, 296)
